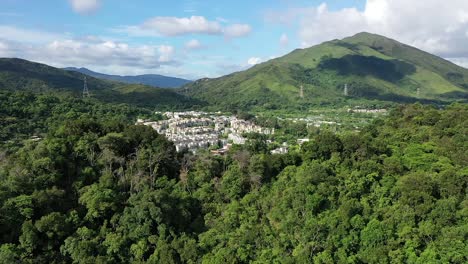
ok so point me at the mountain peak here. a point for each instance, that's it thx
(367, 34)
(374, 66)
(369, 38)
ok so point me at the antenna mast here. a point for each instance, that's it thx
(85, 89)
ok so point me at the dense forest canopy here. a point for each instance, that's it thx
(94, 188)
(26, 115)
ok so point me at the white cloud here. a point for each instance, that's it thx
(97, 53)
(253, 61)
(89, 51)
(193, 45)
(237, 30)
(319, 24)
(104, 53)
(174, 26)
(432, 25)
(178, 26)
(284, 40)
(85, 7)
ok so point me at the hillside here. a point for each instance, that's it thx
(373, 67)
(154, 80)
(18, 74)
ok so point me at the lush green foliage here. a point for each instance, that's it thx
(373, 67)
(26, 115)
(93, 191)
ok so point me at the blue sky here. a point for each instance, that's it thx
(195, 38)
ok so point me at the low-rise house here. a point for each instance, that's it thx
(280, 150)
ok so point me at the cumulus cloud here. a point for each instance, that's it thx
(85, 7)
(432, 25)
(193, 45)
(72, 52)
(90, 51)
(284, 40)
(253, 61)
(178, 26)
(237, 30)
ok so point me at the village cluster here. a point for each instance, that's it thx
(194, 130)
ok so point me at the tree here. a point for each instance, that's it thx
(322, 146)
(233, 183)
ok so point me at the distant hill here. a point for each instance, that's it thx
(154, 80)
(373, 68)
(19, 74)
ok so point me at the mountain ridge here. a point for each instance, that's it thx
(154, 80)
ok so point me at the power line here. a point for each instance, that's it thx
(85, 89)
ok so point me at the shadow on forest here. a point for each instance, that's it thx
(388, 70)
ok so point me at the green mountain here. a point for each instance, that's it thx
(18, 74)
(372, 67)
(154, 80)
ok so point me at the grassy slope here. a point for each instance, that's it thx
(17, 74)
(275, 84)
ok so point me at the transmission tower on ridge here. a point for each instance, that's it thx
(85, 89)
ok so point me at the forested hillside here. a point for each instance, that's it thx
(94, 190)
(23, 75)
(30, 116)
